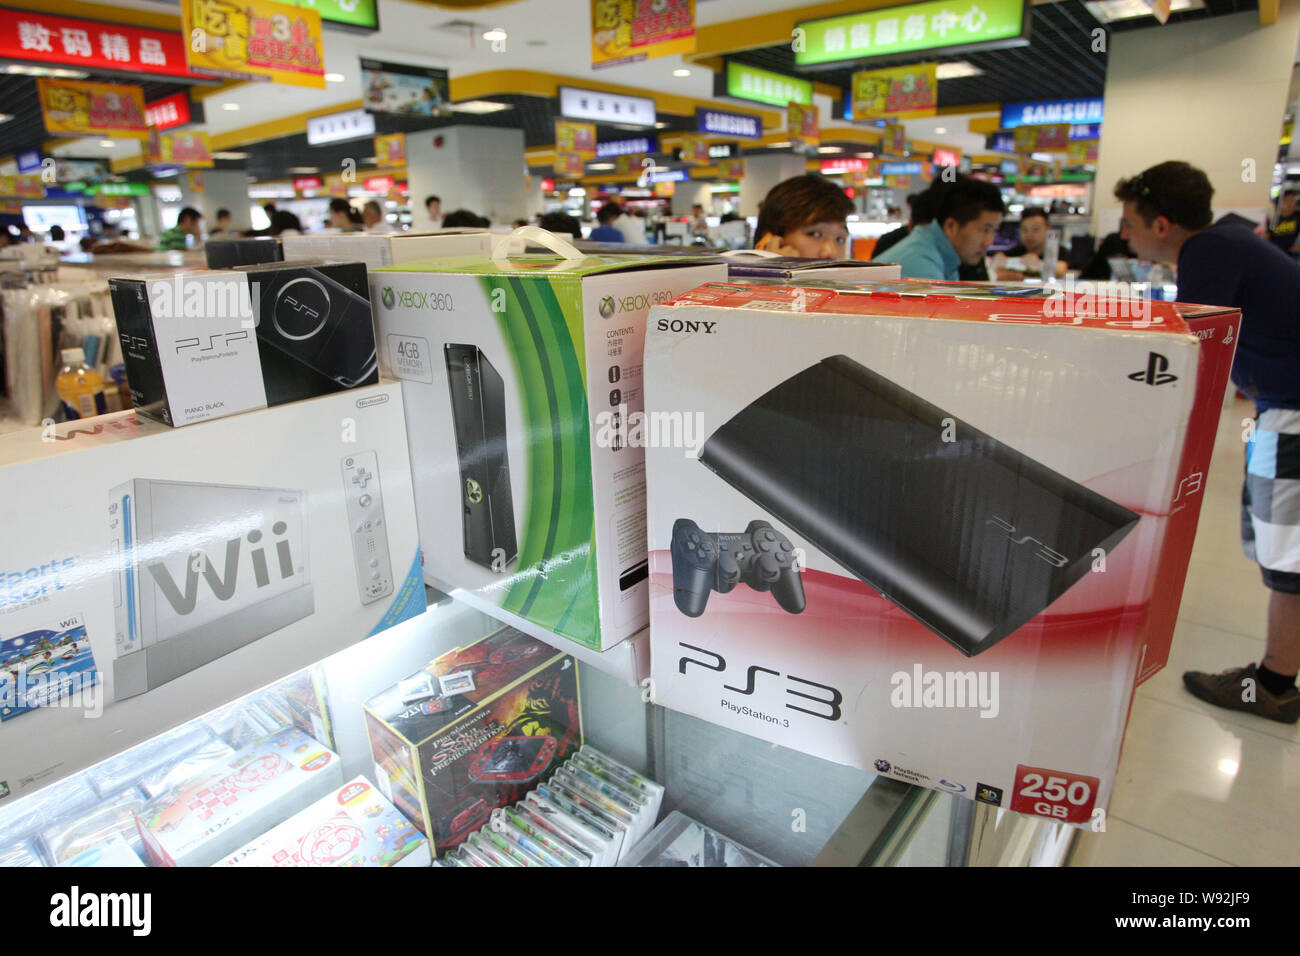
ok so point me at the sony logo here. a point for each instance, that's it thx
(223, 584)
(686, 325)
(828, 705)
(1043, 552)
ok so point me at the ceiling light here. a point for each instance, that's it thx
(334, 77)
(660, 169)
(304, 170)
(940, 130)
(1041, 157)
(229, 155)
(661, 125)
(868, 155)
(577, 192)
(495, 34)
(369, 161)
(230, 106)
(830, 149)
(480, 107)
(595, 166)
(24, 69)
(781, 145)
(106, 143)
(1107, 11)
(681, 71)
(957, 70)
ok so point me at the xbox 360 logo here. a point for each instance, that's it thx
(473, 491)
(607, 307)
(388, 297)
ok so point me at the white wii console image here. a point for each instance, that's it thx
(365, 503)
(203, 570)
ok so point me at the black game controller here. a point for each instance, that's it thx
(761, 557)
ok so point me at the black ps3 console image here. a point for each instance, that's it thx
(760, 557)
(966, 534)
(478, 408)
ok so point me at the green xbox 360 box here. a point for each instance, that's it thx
(525, 414)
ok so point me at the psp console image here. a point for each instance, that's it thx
(969, 536)
(478, 409)
(202, 570)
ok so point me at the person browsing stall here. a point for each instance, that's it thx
(967, 215)
(805, 217)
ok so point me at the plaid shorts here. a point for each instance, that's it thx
(1270, 499)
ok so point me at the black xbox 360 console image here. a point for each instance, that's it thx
(760, 557)
(966, 534)
(478, 408)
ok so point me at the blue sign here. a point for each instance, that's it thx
(1001, 143)
(910, 168)
(1045, 112)
(1010, 167)
(30, 161)
(1086, 131)
(738, 125)
(669, 176)
(624, 147)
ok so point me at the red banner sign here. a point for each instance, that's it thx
(379, 184)
(90, 45)
(168, 112)
(302, 183)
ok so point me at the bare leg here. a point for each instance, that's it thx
(1282, 653)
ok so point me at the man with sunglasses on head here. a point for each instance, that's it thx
(1167, 218)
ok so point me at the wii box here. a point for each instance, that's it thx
(182, 568)
(204, 345)
(519, 377)
(385, 249)
(922, 534)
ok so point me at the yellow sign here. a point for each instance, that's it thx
(577, 138)
(695, 151)
(626, 163)
(731, 169)
(25, 187)
(626, 31)
(568, 164)
(188, 148)
(803, 128)
(196, 181)
(390, 150)
(1042, 139)
(255, 40)
(1082, 151)
(96, 109)
(899, 92)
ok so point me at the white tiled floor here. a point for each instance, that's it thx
(1200, 786)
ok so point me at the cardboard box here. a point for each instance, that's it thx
(520, 378)
(182, 568)
(353, 826)
(386, 249)
(219, 812)
(962, 504)
(203, 345)
(753, 264)
(474, 730)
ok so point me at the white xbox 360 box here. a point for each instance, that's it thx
(166, 571)
(385, 249)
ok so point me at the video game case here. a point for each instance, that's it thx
(489, 852)
(589, 811)
(553, 821)
(505, 826)
(612, 797)
(606, 800)
(558, 809)
(511, 849)
(625, 774)
(566, 852)
(681, 841)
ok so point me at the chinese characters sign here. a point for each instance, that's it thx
(606, 107)
(900, 92)
(102, 109)
(390, 150)
(24, 187)
(181, 149)
(167, 112)
(733, 169)
(936, 25)
(568, 164)
(87, 44)
(1042, 139)
(763, 86)
(256, 40)
(577, 138)
(625, 31)
(804, 129)
(695, 151)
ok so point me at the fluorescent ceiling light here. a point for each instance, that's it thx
(334, 77)
(230, 106)
(830, 149)
(6, 117)
(601, 166)
(661, 125)
(940, 130)
(480, 107)
(495, 34)
(304, 170)
(229, 155)
(54, 72)
(660, 169)
(1107, 11)
(957, 70)
(577, 192)
(781, 145)
(681, 71)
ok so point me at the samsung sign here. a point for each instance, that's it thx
(1048, 112)
(624, 147)
(728, 124)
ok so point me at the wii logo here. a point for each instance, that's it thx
(223, 583)
(1043, 552)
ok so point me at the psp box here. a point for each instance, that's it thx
(203, 345)
(920, 533)
(522, 380)
(186, 567)
(215, 814)
(474, 730)
(353, 826)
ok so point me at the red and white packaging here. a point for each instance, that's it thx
(1034, 722)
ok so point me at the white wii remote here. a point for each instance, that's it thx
(365, 505)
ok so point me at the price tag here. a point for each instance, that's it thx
(1068, 797)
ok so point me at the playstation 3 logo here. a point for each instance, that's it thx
(1043, 552)
(1156, 372)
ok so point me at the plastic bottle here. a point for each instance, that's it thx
(80, 387)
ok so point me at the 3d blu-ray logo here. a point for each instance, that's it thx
(1156, 371)
(883, 766)
(830, 704)
(222, 584)
(388, 298)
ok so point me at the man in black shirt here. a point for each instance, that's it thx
(1285, 233)
(1167, 219)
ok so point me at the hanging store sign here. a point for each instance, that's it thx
(357, 15)
(624, 147)
(601, 107)
(912, 28)
(1041, 139)
(168, 112)
(733, 169)
(910, 168)
(803, 128)
(576, 138)
(694, 151)
(188, 148)
(390, 150)
(740, 125)
(75, 108)
(260, 40)
(405, 90)
(746, 82)
(304, 183)
(1047, 112)
(33, 37)
(29, 161)
(899, 92)
(337, 127)
(946, 157)
(627, 31)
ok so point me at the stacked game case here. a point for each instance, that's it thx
(681, 841)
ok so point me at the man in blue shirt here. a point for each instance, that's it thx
(1167, 218)
(967, 215)
(605, 231)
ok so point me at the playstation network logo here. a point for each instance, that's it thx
(883, 766)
